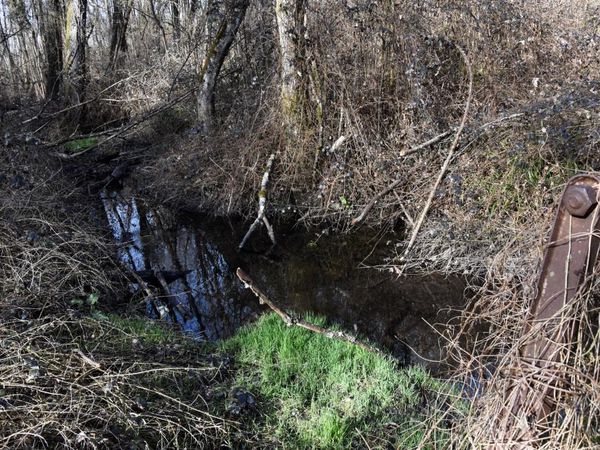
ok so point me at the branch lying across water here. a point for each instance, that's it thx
(289, 320)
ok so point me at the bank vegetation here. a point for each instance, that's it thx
(362, 103)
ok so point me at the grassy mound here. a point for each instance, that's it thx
(321, 393)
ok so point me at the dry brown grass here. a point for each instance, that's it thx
(67, 384)
(67, 380)
(491, 366)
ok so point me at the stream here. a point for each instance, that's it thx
(306, 273)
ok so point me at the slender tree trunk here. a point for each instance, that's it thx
(17, 14)
(176, 20)
(120, 21)
(34, 54)
(4, 38)
(76, 54)
(222, 23)
(82, 50)
(159, 25)
(291, 16)
(53, 46)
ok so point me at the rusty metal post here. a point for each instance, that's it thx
(568, 262)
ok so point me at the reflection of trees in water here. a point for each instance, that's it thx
(205, 301)
(124, 220)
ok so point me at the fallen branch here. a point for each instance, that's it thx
(426, 144)
(262, 202)
(144, 286)
(450, 155)
(150, 296)
(122, 130)
(289, 320)
(374, 200)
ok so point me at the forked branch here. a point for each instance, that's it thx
(262, 202)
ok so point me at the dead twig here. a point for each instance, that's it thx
(426, 144)
(395, 184)
(289, 320)
(450, 155)
(374, 200)
(262, 202)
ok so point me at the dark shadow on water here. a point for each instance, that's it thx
(306, 273)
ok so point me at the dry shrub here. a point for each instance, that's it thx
(389, 77)
(492, 366)
(67, 381)
(191, 176)
(393, 79)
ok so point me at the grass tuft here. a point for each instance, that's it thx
(321, 393)
(147, 330)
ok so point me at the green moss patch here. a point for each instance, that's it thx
(80, 145)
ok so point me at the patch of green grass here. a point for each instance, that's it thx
(79, 145)
(146, 330)
(320, 393)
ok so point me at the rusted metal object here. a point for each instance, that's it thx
(568, 263)
(570, 256)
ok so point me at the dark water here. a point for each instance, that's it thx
(307, 272)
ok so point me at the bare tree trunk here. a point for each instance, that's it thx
(176, 20)
(4, 38)
(222, 23)
(159, 25)
(82, 50)
(291, 16)
(120, 21)
(76, 50)
(34, 63)
(18, 17)
(53, 46)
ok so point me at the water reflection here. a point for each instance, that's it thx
(205, 298)
(200, 293)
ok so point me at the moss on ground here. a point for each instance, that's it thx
(79, 145)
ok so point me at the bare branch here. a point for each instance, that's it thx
(289, 320)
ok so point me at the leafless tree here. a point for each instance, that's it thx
(291, 25)
(119, 22)
(223, 18)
